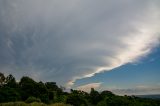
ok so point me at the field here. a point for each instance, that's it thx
(31, 104)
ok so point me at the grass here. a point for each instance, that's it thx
(31, 104)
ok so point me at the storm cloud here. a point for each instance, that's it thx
(66, 40)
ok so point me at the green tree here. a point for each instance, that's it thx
(76, 100)
(31, 88)
(9, 95)
(51, 86)
(42, 92)
(28, 87)
(106, 93)
(11, 82)
(2, 79)
(53, 90)
(94, 96)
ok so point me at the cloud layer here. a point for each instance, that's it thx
(64, 41)
(139, 90)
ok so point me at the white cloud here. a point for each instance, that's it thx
(88, 87)
(64, 41)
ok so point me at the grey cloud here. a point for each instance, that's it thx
(67, 40)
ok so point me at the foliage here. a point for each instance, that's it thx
(127, 101)
(11, 82)
(76, 100)
(41, 94)
(2, 79)
(94, 96)
(61, 99)
(9, 94)
(32, 99)
(106, 93)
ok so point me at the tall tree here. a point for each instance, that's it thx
(94, 96)
(10, 81)
(2, 79)
(28, 87)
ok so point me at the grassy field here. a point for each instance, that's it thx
(31, 104)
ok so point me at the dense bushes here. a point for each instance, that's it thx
(9, 94)
(32, 99)
(76, 100)
(38, 93)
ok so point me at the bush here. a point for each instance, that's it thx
(8, 95)
(32, 99)
(44, 98)
(60, 99)
(76, 100)
(102, 103)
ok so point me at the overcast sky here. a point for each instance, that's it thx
(70, 40)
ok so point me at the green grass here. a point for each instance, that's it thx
(13, 104)
(59, 104)
(31, 104)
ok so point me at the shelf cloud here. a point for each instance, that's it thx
(64, 41)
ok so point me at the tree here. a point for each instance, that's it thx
(94, 96)
(28, 87)
(42, 92)
(2, 79)
(51, 86)
(9, 95)
(11, 82)
(53, 90)
(106, 93)
(76, 100)
(31, 88)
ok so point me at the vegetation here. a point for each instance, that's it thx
(34, 93)
(32, 99)
(32, 104)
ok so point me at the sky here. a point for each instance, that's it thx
(105, 44)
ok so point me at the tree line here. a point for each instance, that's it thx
(28, 90)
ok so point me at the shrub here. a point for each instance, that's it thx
(76, 100)
(61, 99)
(8, 95)
(32, 99)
